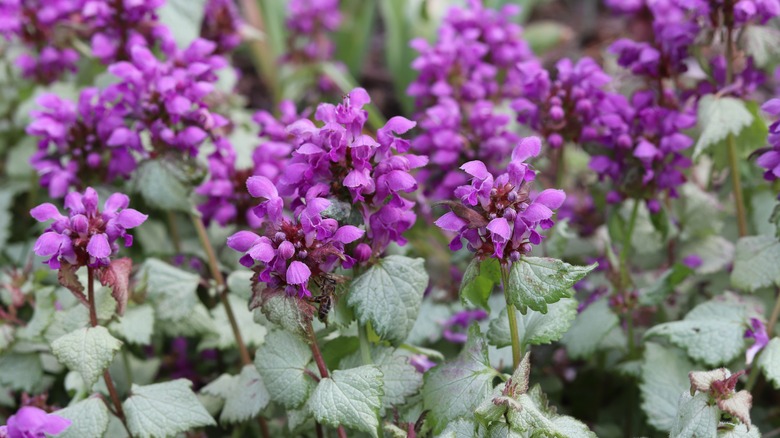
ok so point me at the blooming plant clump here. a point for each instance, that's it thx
(402, 219)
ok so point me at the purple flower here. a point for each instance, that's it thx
(87, 236)
(770, 157)
(692, 261)
(292, 251)
(455, 327)
(337, 160)
(221, 24)
(83, 143)
(310, 24)
(757, 331)
(421, 363)
(32, 422)
(463, 80)
(499, 218)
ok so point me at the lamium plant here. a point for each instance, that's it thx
(407, 219)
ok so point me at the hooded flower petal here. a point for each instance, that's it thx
(298, 273)
(45, 212)
(242, 240)
(130, 218)
(98, 246)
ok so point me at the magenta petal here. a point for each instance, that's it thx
(55, 424)
(98, 246)
(261, 187)
(130, 218)
(348, 234)
(262, 250)
(552, 198)
(537, 212)
(48, 244)
(476, 169)
(398, 125)
(242, 240)
(501, 227)
(772, 107)
(450, 222)
(528, 147)
(359, 97)
(298, 273)
(45, 212)
(115, 202)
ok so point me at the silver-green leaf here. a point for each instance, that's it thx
(769, 361)
(664, 378)
(89, 419)
(350, 398)
(720, 117)
(282, 362)
(164, 409)
(88, 351)
(535, 282)
(755, 263)
(695, 418)
(535, 328)
(389, 295)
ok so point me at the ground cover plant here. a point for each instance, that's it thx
(391, 218)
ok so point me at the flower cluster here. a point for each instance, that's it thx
(561, 109)
(464, 80)
(310, 22)
(83, 143)
(221, 24)
(675, 25)
(770, 158)
(86, 236)
(338, 161)
(497, 216)
(167, 97)
(118, 26)
(32, 422)
(643, 147)
(226, 197)
(38, 25)
(293, 250)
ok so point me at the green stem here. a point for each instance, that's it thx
(770, 328)
(736, 179)
(625, 274)
(93, 320)
(221, 286)
(365, 345)
(517, 349)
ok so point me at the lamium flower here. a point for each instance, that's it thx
(85, 236)
(497, 216)
(757, 332)
(309, 23)
(770, 157)
(42, 28)
(293, 250)
(82, 143)
(641, 146)
(561, 109)
(118, 26)
(456, 327)
(465, 80)
(421, 363)
(32, 422)
(167, 98)
(362, 174)
(221, 24)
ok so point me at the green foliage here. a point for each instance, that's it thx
(535, 282)
(351, 398)
(534, 327)
(589, 330)
(243, 396)
(696, 417)
(712, 333)
(183, 18)
(400, 380)
(755, 263)
(388, 296)
(164, 409)
(282, 362)
(136, 326)
(720, 117)
(167, 183)
(89, 418)
(480, 278)
(769, 362)
(88, 351)
(664, 378)
(455, 388)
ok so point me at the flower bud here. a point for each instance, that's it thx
(556, 113)
(555, 140)
(286, 250)
(302, 254)
(280, 237)
(362, 252)
(514, 255)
